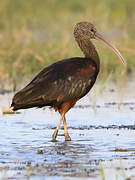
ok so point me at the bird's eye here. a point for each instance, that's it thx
(92, 30)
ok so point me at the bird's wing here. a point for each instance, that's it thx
(61, 81)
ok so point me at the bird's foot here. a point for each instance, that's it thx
(54, 140)
(54, 136)
(67, 137)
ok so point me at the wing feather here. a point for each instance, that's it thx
(57, 83)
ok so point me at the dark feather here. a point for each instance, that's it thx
(59, 82)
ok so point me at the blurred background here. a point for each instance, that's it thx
(36, 33)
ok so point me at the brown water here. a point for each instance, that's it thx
(103, 137)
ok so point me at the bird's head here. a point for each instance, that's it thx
(86, 30)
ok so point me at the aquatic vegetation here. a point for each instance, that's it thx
(35, 34)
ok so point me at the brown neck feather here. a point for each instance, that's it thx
(89, 50)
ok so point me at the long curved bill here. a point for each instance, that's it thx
(115, 50)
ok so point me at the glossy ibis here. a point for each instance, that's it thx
(63, 83)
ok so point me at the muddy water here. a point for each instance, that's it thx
(103, 141)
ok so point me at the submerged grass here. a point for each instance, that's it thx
(34, 34)
(101, 170)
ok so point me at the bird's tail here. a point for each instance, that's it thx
(28, 97)
(15, 106)
(21, 101)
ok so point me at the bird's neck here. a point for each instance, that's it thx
(89, 50)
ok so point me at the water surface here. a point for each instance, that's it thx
(103, 137)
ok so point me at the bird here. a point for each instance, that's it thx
(64, 82)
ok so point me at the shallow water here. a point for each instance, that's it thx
(103, 137)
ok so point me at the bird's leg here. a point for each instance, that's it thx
(67, 137)
(56, 130)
